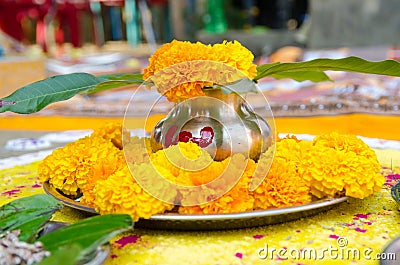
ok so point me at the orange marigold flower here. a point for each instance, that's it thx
(283, 186)
(114, 132)
(189, 165)
(236, 55)
(191, 72)
(236, 200)
(121, 194)
(100, 170)
(69, 168)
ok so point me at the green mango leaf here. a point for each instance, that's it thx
(67, 255)
(314, 68)
(114, 81)
(36, 96)
(244, 85)
(110, 85)
(303, 76)
(89, 233)
(27, 214)
(125, 77)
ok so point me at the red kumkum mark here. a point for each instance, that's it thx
(169, 136)
(258, 236)
(334, 236)
(37, 185)
(6, 103)
(205, 139)
(392, 179)
(363, 216)
(239, 255)
(360, 230)
(127, 240)
(10, 192)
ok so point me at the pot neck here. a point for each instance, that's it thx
(231, 99)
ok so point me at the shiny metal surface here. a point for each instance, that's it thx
(237, 128)
(395, 191)
(175, 221)
(391, 253)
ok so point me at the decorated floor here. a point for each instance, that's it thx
(353, 232)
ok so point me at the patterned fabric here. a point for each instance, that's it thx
(357, 227)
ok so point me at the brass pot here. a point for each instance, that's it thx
(236, 127)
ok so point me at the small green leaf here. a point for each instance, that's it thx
(88, 233)
(27, 214)
(36, 96)
(314, 68)
(67, 255)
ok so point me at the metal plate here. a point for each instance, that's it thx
(395, 191)
(175, 221)
(391, 253)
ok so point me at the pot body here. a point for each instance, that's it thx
(236, 128)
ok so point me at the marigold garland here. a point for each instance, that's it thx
(76, 167)
(232, 54)
(237, 200)
(114, 132)
(73, 167)
(331, 165)
(339, 164)
(283, 186)
(121, 194)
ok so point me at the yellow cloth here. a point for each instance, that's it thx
(368, 125)
(369, 223)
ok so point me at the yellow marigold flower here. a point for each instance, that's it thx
(347, 143)
(183, 161)
(121, 194)
(292, 150)
(343, 165)
(137, 150)
(186, 80)
(283, 187)
(100, 170)
(114, 132)
(68, 168)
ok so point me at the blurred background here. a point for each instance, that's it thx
(41, 38)
(263, 26)
(103, 36)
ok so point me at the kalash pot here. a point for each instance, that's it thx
(222, 123)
